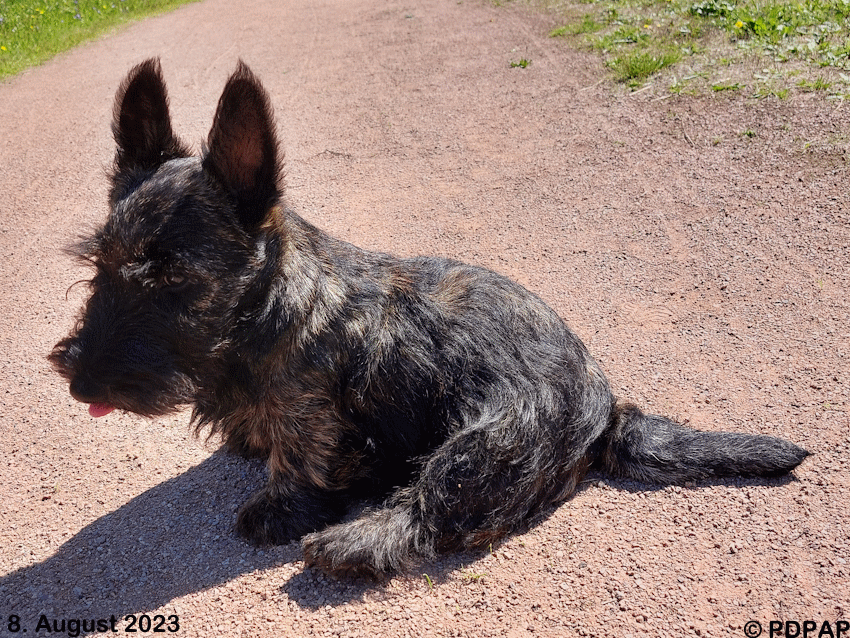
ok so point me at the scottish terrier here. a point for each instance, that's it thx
(450, 397)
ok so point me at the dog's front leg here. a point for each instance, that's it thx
(300, 497)
(280, 513)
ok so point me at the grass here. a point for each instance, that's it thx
(429, 581)
(32, 32)
(706, 41)
(818, 84)
(634, 67)
(588, 24)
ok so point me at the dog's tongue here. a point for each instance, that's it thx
(100, 409)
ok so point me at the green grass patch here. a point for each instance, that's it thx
(635, 67)
(818, 84)
(638, 38)
(32, 32)
(588, 24)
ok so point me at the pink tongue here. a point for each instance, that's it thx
(100, 409)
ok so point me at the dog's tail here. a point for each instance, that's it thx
(655, 449)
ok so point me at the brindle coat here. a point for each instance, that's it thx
(448, 390)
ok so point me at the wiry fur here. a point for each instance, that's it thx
(452, 392)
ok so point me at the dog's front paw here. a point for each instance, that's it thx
(265, 520)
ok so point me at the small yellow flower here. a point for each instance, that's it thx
(3, 48)
(739, 24)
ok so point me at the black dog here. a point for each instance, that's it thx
(448, 389)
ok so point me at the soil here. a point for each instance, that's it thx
(699, 245)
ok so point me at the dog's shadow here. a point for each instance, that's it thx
(177, 538)
(174, 539)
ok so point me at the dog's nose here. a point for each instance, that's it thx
(84, 389)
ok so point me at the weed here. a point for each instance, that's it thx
(523, 63)
(708, 8)
(735, 86)
(681, 88)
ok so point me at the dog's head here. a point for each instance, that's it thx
(182, 254)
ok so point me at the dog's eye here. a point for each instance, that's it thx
(174, 282)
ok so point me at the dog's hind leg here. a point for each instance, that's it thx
(484, 482)
(380, 541)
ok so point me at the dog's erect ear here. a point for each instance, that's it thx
(141, 124)
(242, 147)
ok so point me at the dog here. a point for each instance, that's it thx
(448, 395)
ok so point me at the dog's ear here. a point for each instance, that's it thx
(242, 147)
(141, 124)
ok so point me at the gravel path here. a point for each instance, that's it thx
(707, 269)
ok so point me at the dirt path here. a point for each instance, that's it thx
(707, 270)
